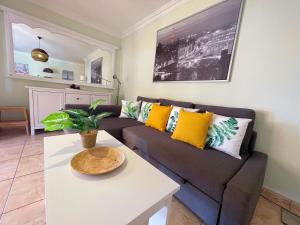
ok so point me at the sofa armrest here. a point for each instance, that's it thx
(115, 109)
(242, 191)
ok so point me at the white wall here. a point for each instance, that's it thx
(57, 65)
(265, 77)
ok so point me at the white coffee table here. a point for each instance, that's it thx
(135, 194)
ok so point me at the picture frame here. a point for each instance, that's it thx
(96, 71)
(21, 68)
(67, 75)
(201, 47)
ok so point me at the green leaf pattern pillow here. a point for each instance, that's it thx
(226, 134)
(145, 111)
(130, 109)
(172, 122)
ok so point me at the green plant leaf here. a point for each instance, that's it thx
(79, 127)
(76, 112)
(96, 103)
(57, 121)
(58, 126)
(53, 118)
(100, 117)
(87, 123)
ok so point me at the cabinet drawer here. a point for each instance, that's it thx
(77, 99)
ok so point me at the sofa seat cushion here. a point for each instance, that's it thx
(114, 125)
(207, 170)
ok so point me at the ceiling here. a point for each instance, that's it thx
(56, 45)
(111, 16)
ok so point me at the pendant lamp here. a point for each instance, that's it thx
(39, 54)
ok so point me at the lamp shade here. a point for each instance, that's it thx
(47, 70)
(39, 55)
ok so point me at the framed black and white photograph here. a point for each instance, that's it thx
(200, 47)
(21, 68)
(67, 75)
(96, 71)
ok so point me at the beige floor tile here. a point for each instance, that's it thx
(10, 151)
(25, 190)
(295, 208)
(39, 138)
(4, 189)
(8, 169)
(30, 164)
(33, 214)
(266, 213)
(12, 139)
(276, 198)
(33, 149)
(180, 215)
(31, 141)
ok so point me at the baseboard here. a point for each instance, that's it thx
(281, 200)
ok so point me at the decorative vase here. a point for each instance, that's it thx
(88, 138)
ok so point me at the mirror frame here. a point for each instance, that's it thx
(12, 16)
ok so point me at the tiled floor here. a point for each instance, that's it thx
(22, 186)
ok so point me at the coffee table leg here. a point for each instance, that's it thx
(168, 206)
(147, 223)
(162, 216)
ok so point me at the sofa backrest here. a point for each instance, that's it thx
(249, 139)
(168, 102)
(238, 113)
(114, 109)
(146, 99)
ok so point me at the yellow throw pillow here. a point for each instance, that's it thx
(192, 128)
(159, 116)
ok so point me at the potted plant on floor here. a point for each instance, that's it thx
(77, 119)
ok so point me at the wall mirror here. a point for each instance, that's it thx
(41, 51)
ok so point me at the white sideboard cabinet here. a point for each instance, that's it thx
(43, 101)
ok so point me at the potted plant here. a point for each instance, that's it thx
(77, 119)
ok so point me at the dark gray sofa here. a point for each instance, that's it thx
(218, 188)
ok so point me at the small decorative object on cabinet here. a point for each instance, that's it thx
(44, 101)
(74, 86)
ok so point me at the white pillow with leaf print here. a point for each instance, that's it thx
(226, 134)
(145, 110)
(130, 109)
(173, 118)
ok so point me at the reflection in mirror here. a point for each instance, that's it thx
(40, 53)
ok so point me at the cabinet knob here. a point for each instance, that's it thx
(77, 98)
